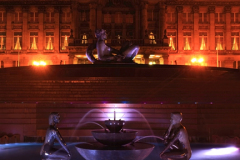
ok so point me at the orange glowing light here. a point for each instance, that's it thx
(49, 44)
(203, 44)
(39, 63)
(34, 44)
(219, 44)
(187, 46)
(193, 60)
(18, 45)
(197, 61)
(171, 44)
(65, 43)
(235, 45)
(200, 60)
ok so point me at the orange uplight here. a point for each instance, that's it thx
(39, 63)
(197, 61)
(200, 60)
(193, 60)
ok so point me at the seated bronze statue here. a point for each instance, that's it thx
(52, 134)
(176, 140)
(108, 54)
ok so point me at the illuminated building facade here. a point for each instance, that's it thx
(182, 32)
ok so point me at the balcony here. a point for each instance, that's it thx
(119, 42)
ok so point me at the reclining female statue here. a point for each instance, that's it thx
(176, 140)
(108, 54)
(53, 134)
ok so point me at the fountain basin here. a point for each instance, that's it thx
(97, 151)
(114, 139)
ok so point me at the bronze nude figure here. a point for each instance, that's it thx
(108, 54)
(176, 140)
(53, 134)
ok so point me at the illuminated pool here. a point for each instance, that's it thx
(30, 151)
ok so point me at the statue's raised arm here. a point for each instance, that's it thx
(108, 54)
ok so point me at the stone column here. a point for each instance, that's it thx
(146, 57)
(41, 45)
(196, 28)
(165, 59)
(56, 29)
(71, 58)
(162, 19)
(212, 28)
(228, 28)
(180, 27)
(93, 20)
(144, 23)
(9, 32)
(137, 24)
(74, 19)
(99, 17)
(25, 34)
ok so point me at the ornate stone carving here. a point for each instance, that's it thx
(57, 9)
(211, 9)
(41, 9)
(144, 5)
(179, 9)
(227, 9)
(25, 9)
(9, 9)
(93, 5)
(195, 9)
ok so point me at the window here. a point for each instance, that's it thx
(187, 17)
(33, 40)
(203, 40)
(235, 17)
(187, 40)
(151, 15)
(152, 38)
(66, 17)
(235, 40)
(129, 18)
(50, 17)
(2, 40)
(84, 16)
(172, 40)
(17, 40)
(33, 17)
(2, 16)
(107, 18)
(64, 40)
(203, 17)
(219, 40)
(18, 17)
(118, 17)
(49, 40)
(219, 17)
(84, 38)
(171, 17)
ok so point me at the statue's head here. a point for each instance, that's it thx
(54, 118)
(101, 34)
(176, 117)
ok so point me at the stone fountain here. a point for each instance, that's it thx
(114, 143)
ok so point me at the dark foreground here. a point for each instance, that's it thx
(30, 151)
